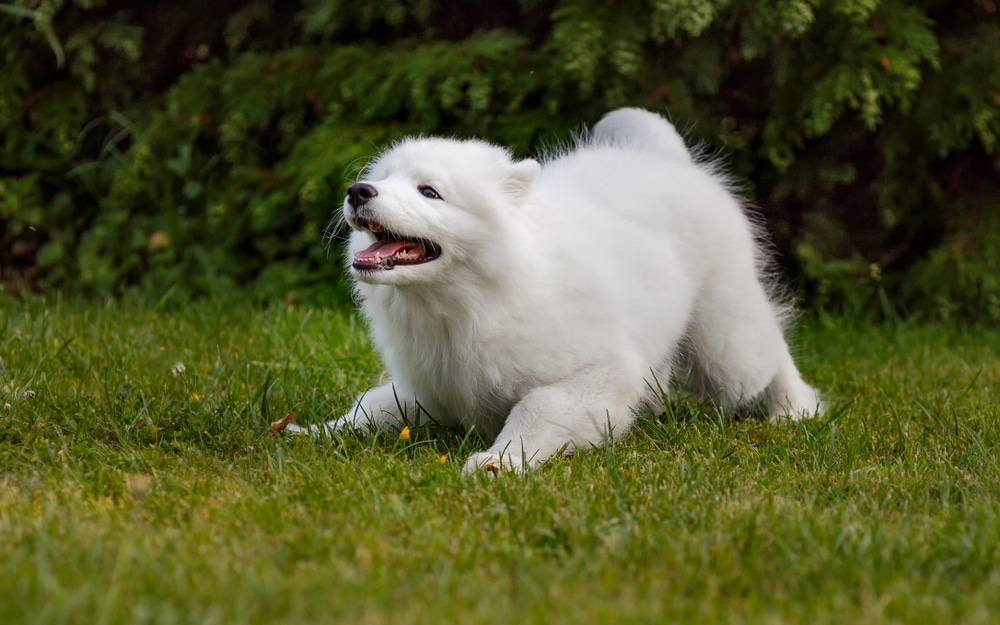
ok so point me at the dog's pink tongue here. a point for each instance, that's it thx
(378, 252)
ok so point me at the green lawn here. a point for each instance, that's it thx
(134, 492)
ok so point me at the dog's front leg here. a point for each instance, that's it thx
(380, 408)
(579, 412)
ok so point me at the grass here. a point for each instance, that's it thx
(134, 492)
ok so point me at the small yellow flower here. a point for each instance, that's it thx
(195, 397)
(405, 434)
(443, 459)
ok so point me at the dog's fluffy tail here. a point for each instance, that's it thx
(640, 129)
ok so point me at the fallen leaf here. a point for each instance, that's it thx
(278, 426)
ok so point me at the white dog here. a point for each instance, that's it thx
(541, 304)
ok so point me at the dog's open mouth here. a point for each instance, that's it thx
(390, 249)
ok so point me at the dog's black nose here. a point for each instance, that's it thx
(359, 193)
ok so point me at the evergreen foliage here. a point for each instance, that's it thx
(179, 146)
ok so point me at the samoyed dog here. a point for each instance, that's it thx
(544, 304)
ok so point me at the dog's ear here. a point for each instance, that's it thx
(522, 176)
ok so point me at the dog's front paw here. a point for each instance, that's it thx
(323, 429)
(492, 464)
(311, 430)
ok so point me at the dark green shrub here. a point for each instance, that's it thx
(867, 129)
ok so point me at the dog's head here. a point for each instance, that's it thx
(427, 206)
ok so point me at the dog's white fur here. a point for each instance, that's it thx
(565, 292)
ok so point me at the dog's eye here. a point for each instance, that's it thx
(429, 192)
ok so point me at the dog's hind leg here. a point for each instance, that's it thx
(788, 396)
(736, 348)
